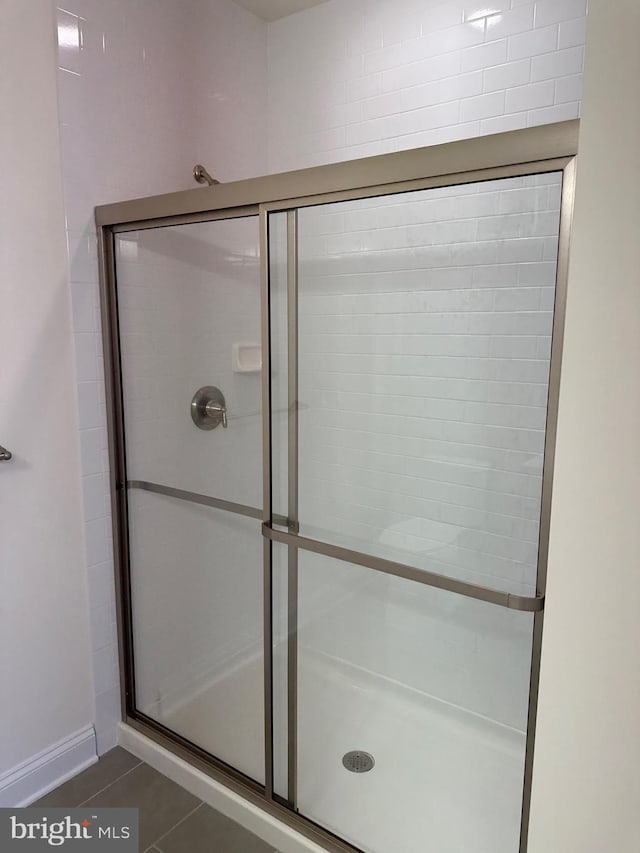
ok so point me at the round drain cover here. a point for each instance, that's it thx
(358, 761)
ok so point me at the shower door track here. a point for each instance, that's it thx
(517, 153)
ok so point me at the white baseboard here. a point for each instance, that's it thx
(269, 828)
(43, 772)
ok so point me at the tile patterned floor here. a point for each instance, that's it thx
(171, 819)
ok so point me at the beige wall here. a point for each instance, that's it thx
(45, 668)
(586, 784)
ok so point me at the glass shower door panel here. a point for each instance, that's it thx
(425, 323)
(189, 315)
(196, 585)
(188, 296)
(434, 687)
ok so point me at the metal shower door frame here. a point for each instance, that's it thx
(513, 154)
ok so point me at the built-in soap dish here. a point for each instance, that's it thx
(246, 358)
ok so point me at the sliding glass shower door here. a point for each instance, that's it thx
(189, 323)
(332, 400)
(417, 385)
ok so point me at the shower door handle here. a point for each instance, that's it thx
(5, 455)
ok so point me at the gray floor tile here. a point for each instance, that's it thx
(110, 767)
(208, 831)
(162, 803)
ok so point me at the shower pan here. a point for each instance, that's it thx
(332, 402)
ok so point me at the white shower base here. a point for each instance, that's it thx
(226, 718)
(445, 780)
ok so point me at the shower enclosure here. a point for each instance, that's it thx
(332, 398)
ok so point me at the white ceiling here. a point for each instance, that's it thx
(271, 10)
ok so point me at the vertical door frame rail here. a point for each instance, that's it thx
(516, 153)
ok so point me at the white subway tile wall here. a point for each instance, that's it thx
(351, 79)
(147, 89)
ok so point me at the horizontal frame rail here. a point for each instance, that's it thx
(516, 147)
(535, 167)
(187, 219)
(527, 604)
(203, 500)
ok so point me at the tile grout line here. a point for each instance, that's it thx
(182, 820)
(130, 770)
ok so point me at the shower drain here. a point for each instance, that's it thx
(358, 761)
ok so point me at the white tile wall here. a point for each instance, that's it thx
(146, 89)
(386, 76)
(553, 11)
(533, 43)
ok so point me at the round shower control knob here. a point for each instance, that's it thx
(208, 408)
